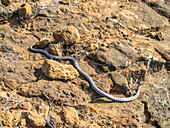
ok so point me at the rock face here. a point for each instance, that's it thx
(69, 35)
(56, 70)
(22, 73)
(5, 14)
(140, 17)
(117, 43)
(160, 6)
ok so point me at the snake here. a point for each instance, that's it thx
(87, 77)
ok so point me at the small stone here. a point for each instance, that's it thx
(25, 11)
(70, 115)
(56, 70)
(35, 119)
(25, 106)
(6, 118)
(6, 2)
(54, 49)
(43, 43)
(69, 35)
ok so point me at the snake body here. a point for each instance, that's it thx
(87, 77)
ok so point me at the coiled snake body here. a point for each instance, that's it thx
(87, 77)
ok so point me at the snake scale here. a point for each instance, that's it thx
(87, 77)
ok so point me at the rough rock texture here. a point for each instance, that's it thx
(70, 115)
(160, 6)
(120, 83)
(15, 73)
(6, 118)
(119, 43)
(35, 119)
(56, 70)
(5, 13)
(68, 34)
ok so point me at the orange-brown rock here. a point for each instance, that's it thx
(70, 115)
(55, 70)
(69, 35)
(35, 119)
(6, 118)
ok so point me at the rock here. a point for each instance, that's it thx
(14, 73)
(113, 58)
(25, 106)
(43, 109)
(56, 119)
(141, 17)
(103, 82)
(5, 14)
(87, 68)
(6, 118)
(35, 119)
(120, 84)
(93, 126)
(69, 35)
(6, 2)
(160, 6)
(94, 44)
(54, 49)
(25, 11)
(55, 70)
(70, 115)
(43, 43)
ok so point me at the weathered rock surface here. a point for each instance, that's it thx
(15, 73)
(160, 6)
(5, 14)
(61, 93)
(120, 83)
(127, 39)
(6, 118)
(70, 115)
(35, 119)
(140, 17)
(69, 35)
(55, 70)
